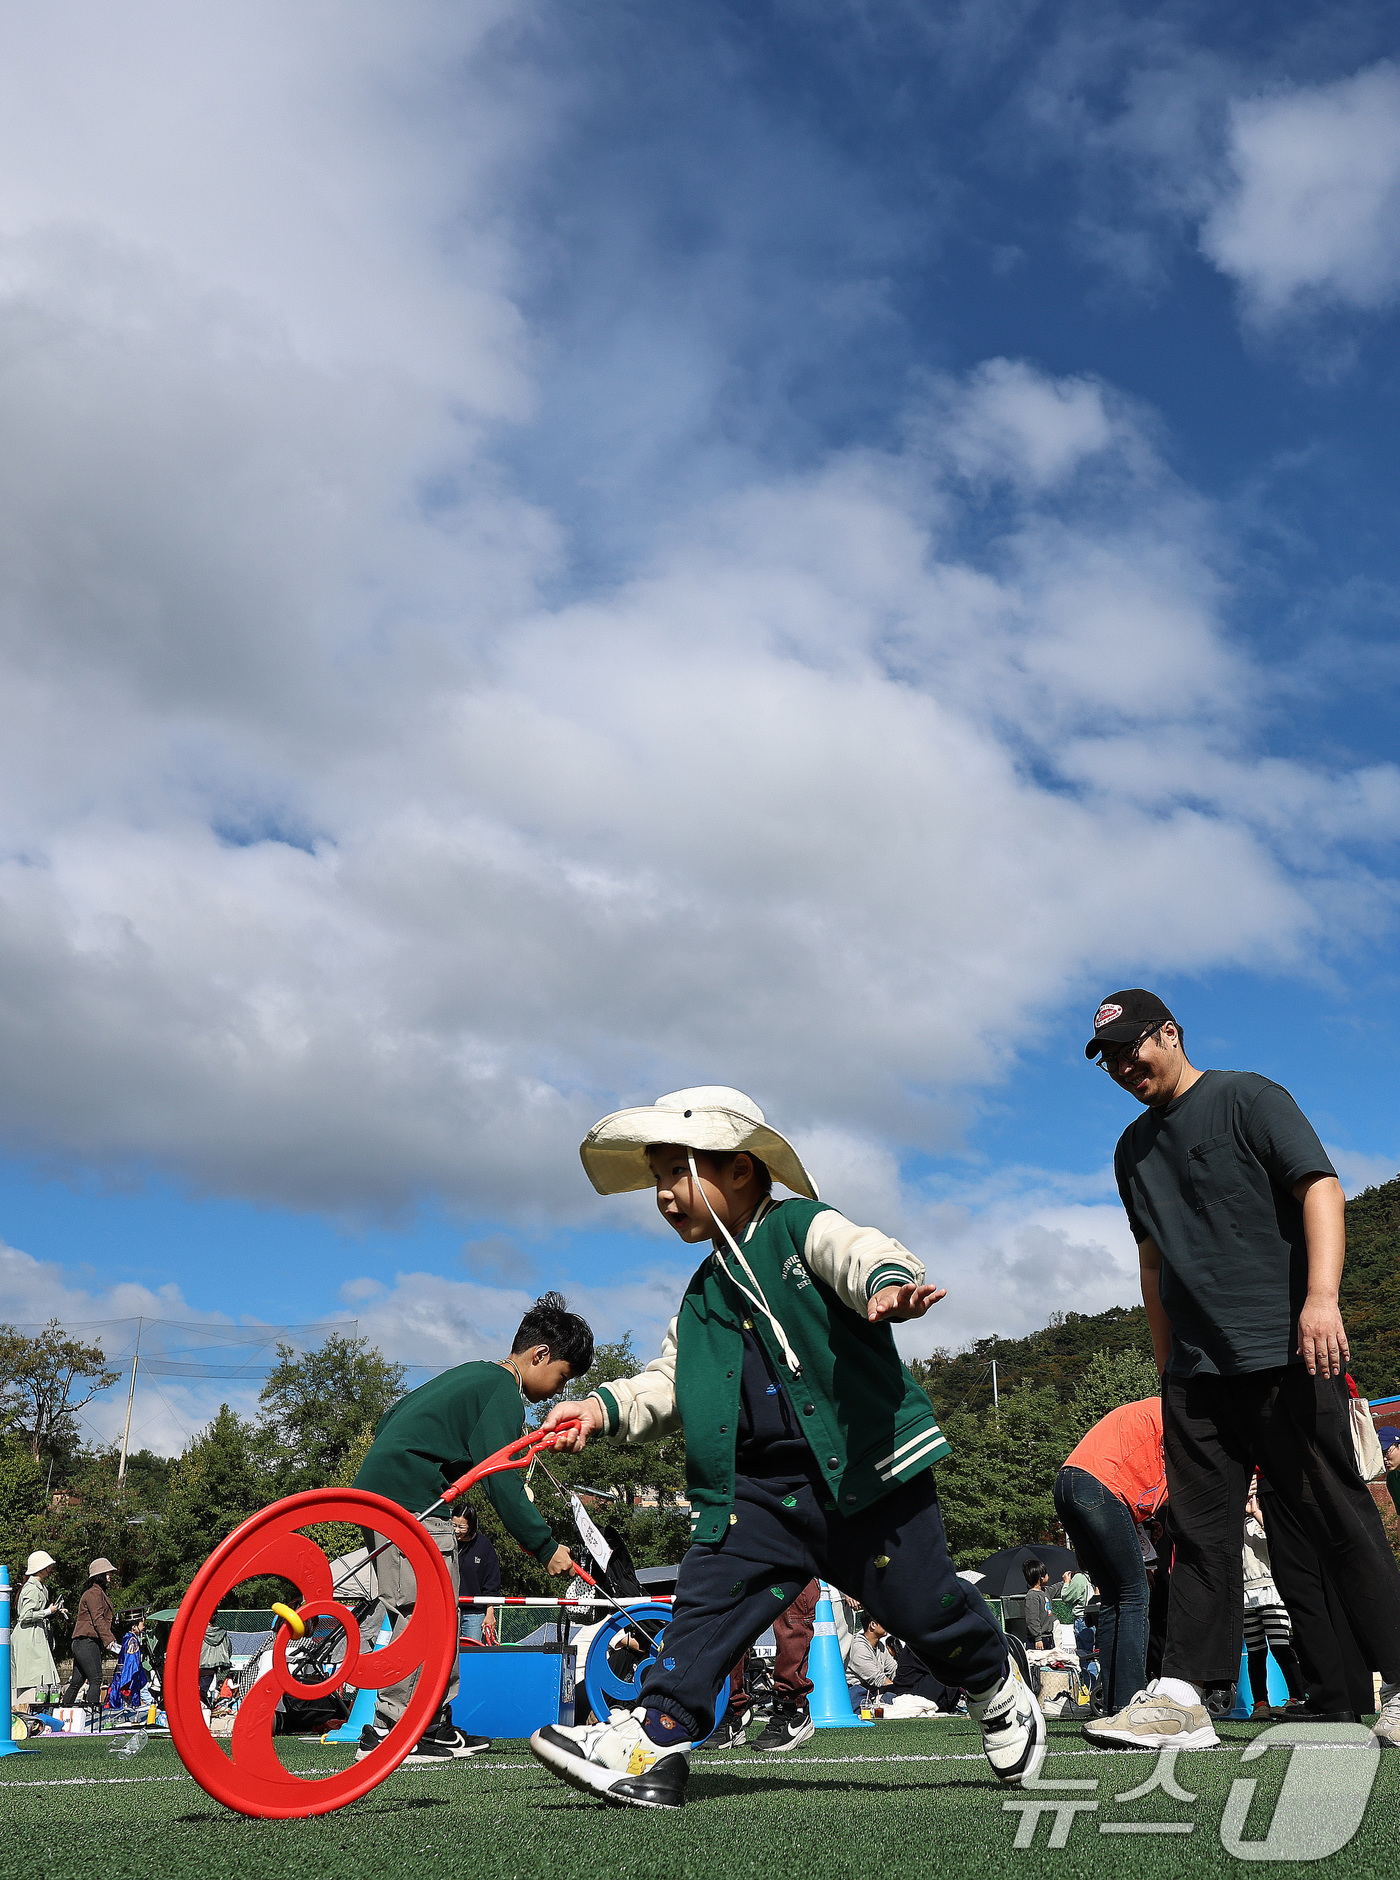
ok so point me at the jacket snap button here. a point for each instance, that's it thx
(850, 1498)
(808, 1408)
(834, 1462)
(729, 1374)
(724, 1429)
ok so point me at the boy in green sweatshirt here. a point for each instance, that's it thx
(808, 1444)
(434, 1435)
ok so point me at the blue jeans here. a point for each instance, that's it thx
(1104, 1538)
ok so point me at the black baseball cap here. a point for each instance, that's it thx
(1124, 1016)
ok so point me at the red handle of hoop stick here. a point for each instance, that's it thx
(517, 1455)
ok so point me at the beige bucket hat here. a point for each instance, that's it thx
(710, 1117)
(38, 1560)
(101, 1565)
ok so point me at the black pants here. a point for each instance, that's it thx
(1297, 1430)
(87, 1665)
(781, 1538)
(913, 1678)
(1334, 1666)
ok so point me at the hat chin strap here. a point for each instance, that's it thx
(756, 1298)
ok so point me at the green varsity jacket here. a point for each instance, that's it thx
(869, 1424)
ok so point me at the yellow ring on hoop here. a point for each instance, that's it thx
(295, 1623)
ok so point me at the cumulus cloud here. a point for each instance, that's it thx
(1311, 216)
(352, 852)
(167, 1410)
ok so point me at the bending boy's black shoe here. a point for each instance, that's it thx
(616, 1761)
(456, 1742)
(790, 1724)
(733, 1728)
(370, 1740)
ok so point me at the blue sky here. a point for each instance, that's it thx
(550, 555)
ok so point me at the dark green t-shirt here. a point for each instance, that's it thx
(438, 1431)
(1210, 1178)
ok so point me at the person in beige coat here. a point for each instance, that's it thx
(32, 1669)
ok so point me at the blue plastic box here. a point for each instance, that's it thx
(514, 1690)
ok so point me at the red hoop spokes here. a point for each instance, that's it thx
(251, 1779)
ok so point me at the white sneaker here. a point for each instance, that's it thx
(1013, 1730)
(1155, 1721)
(617, 1760)
(1386, 1728)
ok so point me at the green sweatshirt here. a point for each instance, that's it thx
(438, 1432)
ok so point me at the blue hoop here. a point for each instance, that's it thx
(608, 1692)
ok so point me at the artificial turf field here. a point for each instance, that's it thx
(903, 1798)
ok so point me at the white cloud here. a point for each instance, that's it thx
(1015, 1246)
(423, 1320)
(349, 856)
(166, 1411)
(1311, 217)
(1006, 420)
(1357, 1170)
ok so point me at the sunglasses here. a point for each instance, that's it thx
(1114, 1056)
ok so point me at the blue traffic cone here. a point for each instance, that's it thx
(1278, 1689)
(362, 1710)
(8, 1746)
(830, 1702)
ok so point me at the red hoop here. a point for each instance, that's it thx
(250, 1779)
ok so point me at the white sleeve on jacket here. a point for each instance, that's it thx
(857, 1261)
(646, 1404)
(854, 1261)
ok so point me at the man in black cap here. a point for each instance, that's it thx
(1241, 1231)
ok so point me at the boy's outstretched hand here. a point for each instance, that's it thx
(587, 1417)
(903, 1302)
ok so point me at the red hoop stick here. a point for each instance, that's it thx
(250, 1779)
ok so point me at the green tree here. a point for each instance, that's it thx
(221, 1479)
(1054, 1356)
(45, 1381)
(1111, 1378)
(21, 1505)
(1370, 1296)
(317, 1405)
(996, 1486)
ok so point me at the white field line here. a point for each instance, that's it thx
(744, 1767)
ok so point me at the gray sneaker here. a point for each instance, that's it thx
(1386, 1728)
(1155, 1721)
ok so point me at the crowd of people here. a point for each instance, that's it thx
(97, 1633)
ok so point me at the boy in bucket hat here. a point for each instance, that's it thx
(808, 1444)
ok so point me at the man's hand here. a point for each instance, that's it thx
(586, 1415)
(903, 1302)
(1322, 1338)
(560, 1561)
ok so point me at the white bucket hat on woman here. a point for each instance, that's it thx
(711, 1118)
(38, 1560)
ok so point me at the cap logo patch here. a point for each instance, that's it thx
(1106, 1015)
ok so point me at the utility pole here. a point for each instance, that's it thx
(130, 1399)
(996, 1400)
